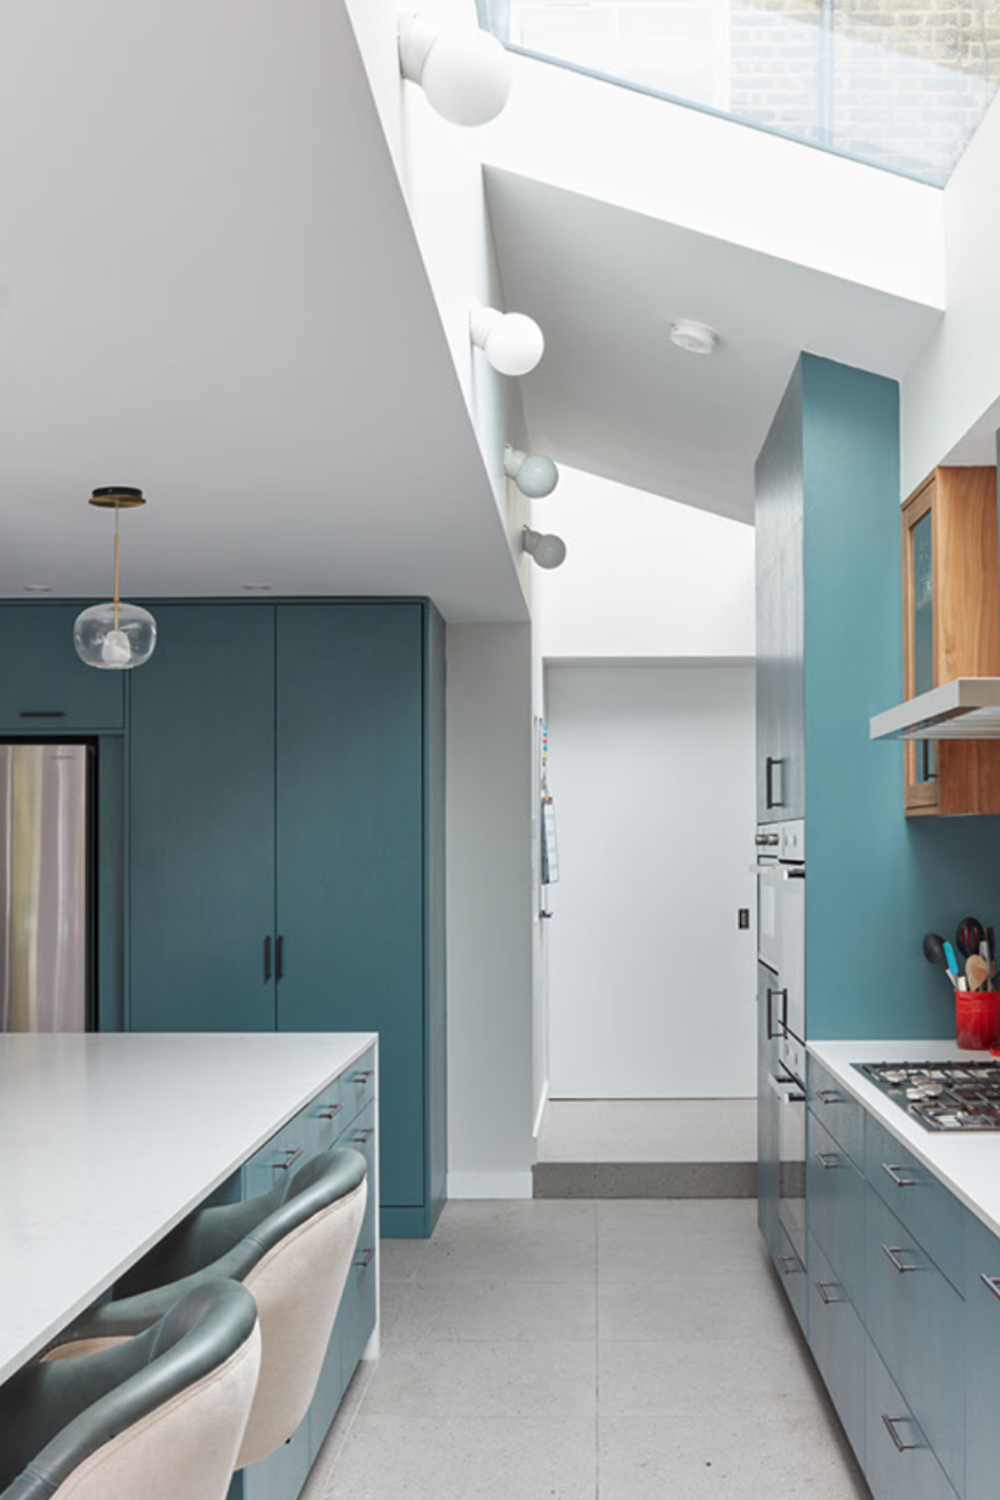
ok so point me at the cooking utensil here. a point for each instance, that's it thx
(977, 971)
(934, 952)
(950, 959)
(992, 945)
(970, 934)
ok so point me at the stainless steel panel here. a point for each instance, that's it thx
(43, 887)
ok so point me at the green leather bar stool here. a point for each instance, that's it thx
(292, 1248)
(161, 1415)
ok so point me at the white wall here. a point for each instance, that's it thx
(951, 396)
(652, 985)
(489, 903)
(644, 576)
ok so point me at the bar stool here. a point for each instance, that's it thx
(291, 1247)
(161, 1415)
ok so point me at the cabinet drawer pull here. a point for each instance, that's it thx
(789, 1264)
(363, 1136)
(279, 959)
(267, 960)
(890, 1427)
(825, 1288)
(42, 713)
(364, 1258)
(894, 1252)
(892, 1172)
(330, 1111)
(363, 1076)
(829, 1096)
(993, 1282)
(292, 1154)
(828, 1160)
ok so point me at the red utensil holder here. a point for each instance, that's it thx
(977, 1019)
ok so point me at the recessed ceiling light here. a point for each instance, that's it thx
(256, 588)
(694, 338)
(38, 588)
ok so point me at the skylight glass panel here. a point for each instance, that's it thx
(896, 86)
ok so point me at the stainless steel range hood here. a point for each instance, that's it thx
(966, 709)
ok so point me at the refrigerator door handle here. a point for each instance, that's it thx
(267, 960)
(279, 959)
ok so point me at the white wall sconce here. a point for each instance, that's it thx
(512, 342)
(547, 549)
(534, 473)
(466, 74)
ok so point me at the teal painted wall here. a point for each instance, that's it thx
(877, 881)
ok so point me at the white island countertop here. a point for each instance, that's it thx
(968, 1163)
(107, 1141)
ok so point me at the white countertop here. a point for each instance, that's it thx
(108, 1141)
(967, 1163)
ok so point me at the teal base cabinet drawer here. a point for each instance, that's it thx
(982, 1346)
(793, 1277)
(915, 1319)
(44, 686)
(836, 1197)
(899, 1464)
(358, 1086)
(837, 1340)
(839, 1114)
(918, 1198)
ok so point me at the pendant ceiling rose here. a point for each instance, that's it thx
(117, 497)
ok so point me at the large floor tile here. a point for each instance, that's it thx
(690, 1308)
(640, 1130)
(494, 1311)
(726, 1453)
(684, 1377)
(389, 1458)
(469, 1379)
(399, 1259)
(524, 1240)
(683, 1239)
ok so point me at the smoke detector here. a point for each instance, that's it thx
(694, 338)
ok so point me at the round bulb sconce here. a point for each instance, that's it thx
(546, 549)
(512, 342)
(115, 636)
(465, 74)
(534, 473)
(693, 338)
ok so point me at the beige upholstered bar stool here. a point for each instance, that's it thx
(292, 1248)
(161, 1415)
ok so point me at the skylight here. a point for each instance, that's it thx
(899, 86)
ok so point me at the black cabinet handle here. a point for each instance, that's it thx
(772, 1034)
(770, 800)
(267, 960)
(43, 713)
(279, 959)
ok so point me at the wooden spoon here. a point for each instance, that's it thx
(977, 971)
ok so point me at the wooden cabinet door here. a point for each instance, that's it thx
(350, 848)
(201, 823)
(44, 686)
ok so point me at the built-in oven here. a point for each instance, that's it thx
(781, 924)
(791, 1111)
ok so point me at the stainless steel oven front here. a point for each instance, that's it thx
(791, 1097)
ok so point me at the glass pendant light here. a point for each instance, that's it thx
(115, 636)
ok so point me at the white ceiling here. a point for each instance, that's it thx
(210, 288)
(613, 396)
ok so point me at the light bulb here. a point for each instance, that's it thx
(547, 549)
(512, 342)
(115, 649)
(534, 473)
(114, 638)
(466, 74)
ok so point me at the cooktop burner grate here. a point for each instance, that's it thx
(942, 1095)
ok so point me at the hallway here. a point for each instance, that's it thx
(570, 1351)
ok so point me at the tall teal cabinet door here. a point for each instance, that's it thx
(201, 823)
(351, 851)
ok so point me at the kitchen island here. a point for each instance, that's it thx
(108, 1141)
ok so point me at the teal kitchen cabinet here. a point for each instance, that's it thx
(201, 823)
(44, 686)
(350, 853)
(982, 1357)
(285, 842)
(767, 1117)
(837, 1339)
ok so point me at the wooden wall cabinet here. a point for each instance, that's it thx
(951, 628)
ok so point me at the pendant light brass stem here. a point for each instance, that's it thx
(116, 600)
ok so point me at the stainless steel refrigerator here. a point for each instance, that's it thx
(45, 886)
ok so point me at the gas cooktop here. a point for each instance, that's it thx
(942, 1096)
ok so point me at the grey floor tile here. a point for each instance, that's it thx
(685, 1377)
(638, 1130)
(514, 1241)
(468, 1379)
(494, 1311)
(690, 1308)
(399, 1259)
(727, 1454)
(421, 1458)
(393, 1297)
(665, 1241)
